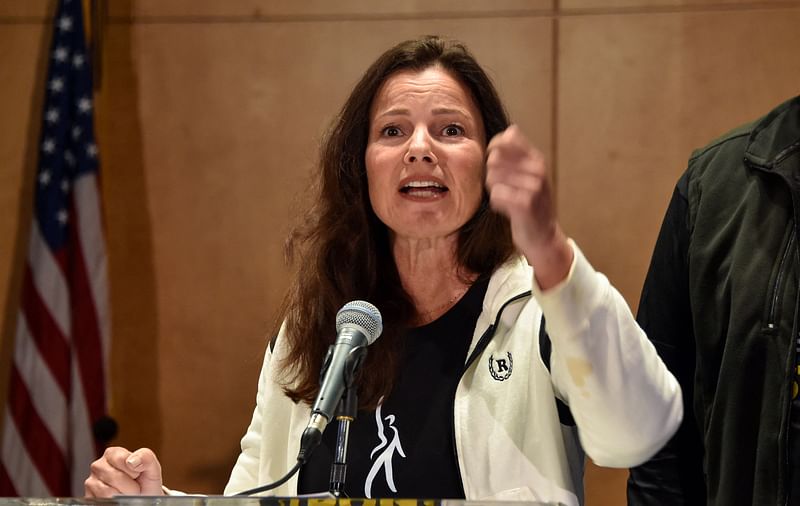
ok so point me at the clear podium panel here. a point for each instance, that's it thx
(252, 501)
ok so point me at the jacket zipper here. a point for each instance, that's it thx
(771, 325)
(788, 414)
(483, 342)
(778, 283)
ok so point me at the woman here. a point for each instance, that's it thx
(432, 208)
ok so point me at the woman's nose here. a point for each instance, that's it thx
(420, 149)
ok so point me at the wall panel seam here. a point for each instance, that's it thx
(427, 16)
(673, 9)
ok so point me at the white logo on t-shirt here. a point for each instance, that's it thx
(384, 459)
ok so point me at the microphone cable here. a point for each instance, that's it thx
(310, 440)
(270, 486)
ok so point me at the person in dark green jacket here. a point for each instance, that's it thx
(720, 303)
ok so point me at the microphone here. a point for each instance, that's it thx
(358, 324)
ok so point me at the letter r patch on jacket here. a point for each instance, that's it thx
(501, 368)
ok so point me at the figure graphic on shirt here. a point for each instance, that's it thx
(384, 459)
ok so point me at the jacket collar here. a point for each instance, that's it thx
(510, 283)
(775, 137)
(511, 279)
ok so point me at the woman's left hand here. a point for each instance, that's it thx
(516, 177)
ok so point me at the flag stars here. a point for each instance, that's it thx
(84, 105)
(62, 216)
(52, 115)
(91, 150)
(78, 60)
(65, 24)
(65, 186)
(45, 177)
(56, 85)
(49, 145)
(61, 54)
(69, 158)
(76, 132)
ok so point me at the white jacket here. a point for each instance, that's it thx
(509, 441)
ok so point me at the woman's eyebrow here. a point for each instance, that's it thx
(402, 111)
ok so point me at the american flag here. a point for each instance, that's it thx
(56, 406)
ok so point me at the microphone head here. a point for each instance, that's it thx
(361, 314)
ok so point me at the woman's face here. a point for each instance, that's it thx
(425, 154)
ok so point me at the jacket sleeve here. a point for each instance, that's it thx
(245, 473)
(675, 474)
(625, 402)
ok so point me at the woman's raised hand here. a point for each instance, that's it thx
(516, 178)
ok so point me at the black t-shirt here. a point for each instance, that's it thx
(406, 447)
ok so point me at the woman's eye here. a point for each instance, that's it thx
(452, 130)
(391, 131)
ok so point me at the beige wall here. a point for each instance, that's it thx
(210, 114)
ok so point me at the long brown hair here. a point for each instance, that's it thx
(340, 250)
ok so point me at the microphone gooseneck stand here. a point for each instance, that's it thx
(345, 414)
